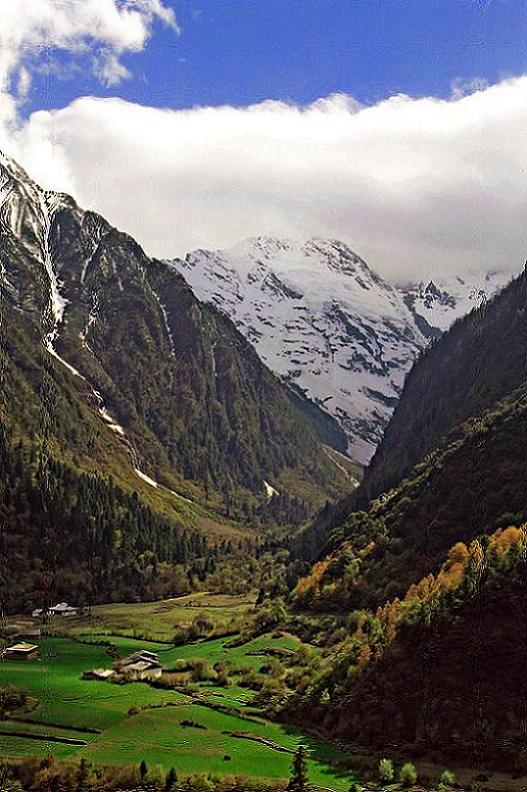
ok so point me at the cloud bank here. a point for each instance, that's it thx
(418, 187)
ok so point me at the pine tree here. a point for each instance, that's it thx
(143, 770)
(298, 781)
(171, 780)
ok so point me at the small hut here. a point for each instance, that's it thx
(20, 651)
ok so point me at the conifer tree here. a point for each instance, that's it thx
(171, 780)
(299, 781)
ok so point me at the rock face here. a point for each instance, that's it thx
(329, 326)
(171, 378)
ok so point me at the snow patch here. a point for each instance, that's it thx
(146, 478)
(48, 204)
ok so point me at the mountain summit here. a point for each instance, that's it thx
(328, 325)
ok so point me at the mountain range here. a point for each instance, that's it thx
(331, 328)
(115, 378)
(144, 444)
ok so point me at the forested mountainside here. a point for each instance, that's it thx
(472, 484)
(113, 334)
(439, 672)
(479, 361)
(421, 597)
(329, 326)
(65, 531)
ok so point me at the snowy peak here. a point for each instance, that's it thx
(441, 301)
(329, 325)
(321, 319)
(26, 209)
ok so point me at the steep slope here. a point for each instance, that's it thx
(67, 533)
(441, 672)
(481, 360)
(328, 325)
(425, 592)
(473, 483)
(185, 396)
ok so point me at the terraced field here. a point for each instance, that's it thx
(165, 727)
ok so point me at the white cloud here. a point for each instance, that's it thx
(417, 186)
(107, 29)
(109, 69)
(462, 87)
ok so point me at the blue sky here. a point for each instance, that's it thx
(151, 128)
(244, 51)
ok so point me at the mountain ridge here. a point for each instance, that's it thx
(179, 388)
(328, 325)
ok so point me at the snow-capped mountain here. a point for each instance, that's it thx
(102, 346)
(442, 301)
(328, 325)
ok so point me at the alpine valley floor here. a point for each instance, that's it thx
(210, 729)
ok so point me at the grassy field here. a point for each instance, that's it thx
(160, 620)
(158, 729)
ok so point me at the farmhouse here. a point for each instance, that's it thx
(63, 609)
(60, 609)
(20, 651)
(140, 665)
(143, 655)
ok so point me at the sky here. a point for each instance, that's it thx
(395, 125)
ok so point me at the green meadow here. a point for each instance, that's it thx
(160, 620)
(165, 727)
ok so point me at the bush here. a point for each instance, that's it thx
(408, 774)
(447, 779)
(201, 670)
(386, 771)
(222, 680)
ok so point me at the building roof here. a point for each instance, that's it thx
(22, 647)
(104, 673)
(149, 657)
(62, 607)
(141, 665)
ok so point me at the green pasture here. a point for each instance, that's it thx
(160, 620)
(66, 703)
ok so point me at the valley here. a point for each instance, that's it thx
(211, 728)
(263, 396)
(252, 604)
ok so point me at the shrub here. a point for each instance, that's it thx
(447, 779)
(201, 671)
(408, 774)
(386, 771)
(222, 680)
